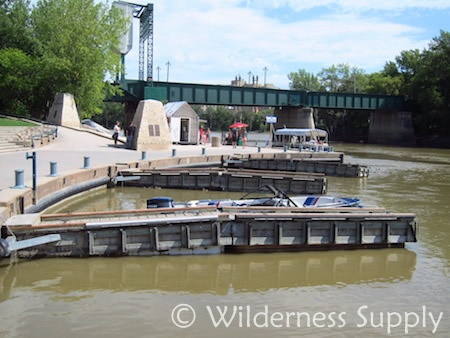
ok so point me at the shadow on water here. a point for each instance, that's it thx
(218, 275)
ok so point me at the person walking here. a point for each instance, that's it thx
(131, 130)
(116, 130)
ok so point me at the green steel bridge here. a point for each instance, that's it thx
(136, 90)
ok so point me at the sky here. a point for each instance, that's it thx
(213, 41)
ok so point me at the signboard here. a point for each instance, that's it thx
(271, 119)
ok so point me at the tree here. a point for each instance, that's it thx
(15, 26)
(343, 78)
(66, 45)
(382, 84)
(304, 81)
(15, 85)
(78, 37)
(431, 86)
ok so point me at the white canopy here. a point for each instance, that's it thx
(301, 132)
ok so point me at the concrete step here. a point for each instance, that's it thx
(8, 136)
(13, 148)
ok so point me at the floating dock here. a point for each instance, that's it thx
(206, 230)
(224, 179)
(327, 166)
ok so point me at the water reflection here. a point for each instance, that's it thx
(209, 274)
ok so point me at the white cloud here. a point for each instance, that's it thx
(352, 5)
(213, 41)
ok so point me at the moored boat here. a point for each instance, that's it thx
(277, 199)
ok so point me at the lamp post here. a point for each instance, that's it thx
(265, 71)
(158, 69)
(168, 65)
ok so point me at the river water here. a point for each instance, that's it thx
(372, 293)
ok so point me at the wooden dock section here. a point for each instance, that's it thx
(224, 179)
(331, 165)
(206, 230)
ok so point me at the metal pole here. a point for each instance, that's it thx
(168, 65)
(33, 157)
(265, 71)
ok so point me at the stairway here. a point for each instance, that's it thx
(8, 137)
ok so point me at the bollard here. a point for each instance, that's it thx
(144, 155)
(53, 169)
(203, 151)
(174, 152)
(87, 162)
(19, 180)
(285, 148)
(259, 149)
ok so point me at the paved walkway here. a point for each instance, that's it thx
(71, 146)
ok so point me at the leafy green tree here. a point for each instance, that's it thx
(431, 87)
(80, 36)
(382, 84)
(304, 81)
(67, 46)
(343, 78)
(15, 26)
(15, 84)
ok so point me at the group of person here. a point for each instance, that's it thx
(235, 136)
(129, 133)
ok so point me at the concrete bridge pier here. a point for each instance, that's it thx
(295, 117)
(391, 127)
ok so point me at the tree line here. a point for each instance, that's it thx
(422, 77)
(57, 46)
(70, 46)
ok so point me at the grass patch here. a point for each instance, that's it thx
(15, 123)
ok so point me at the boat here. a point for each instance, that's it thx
(302, 138)
(277, 198)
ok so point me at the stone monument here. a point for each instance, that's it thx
(152, 128)
(63, 111)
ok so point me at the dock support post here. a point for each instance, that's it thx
(53, 169)
(90, 243)
(123, 233)
(86, 162)
(19, 179)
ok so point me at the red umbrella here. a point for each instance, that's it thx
(239, 125)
